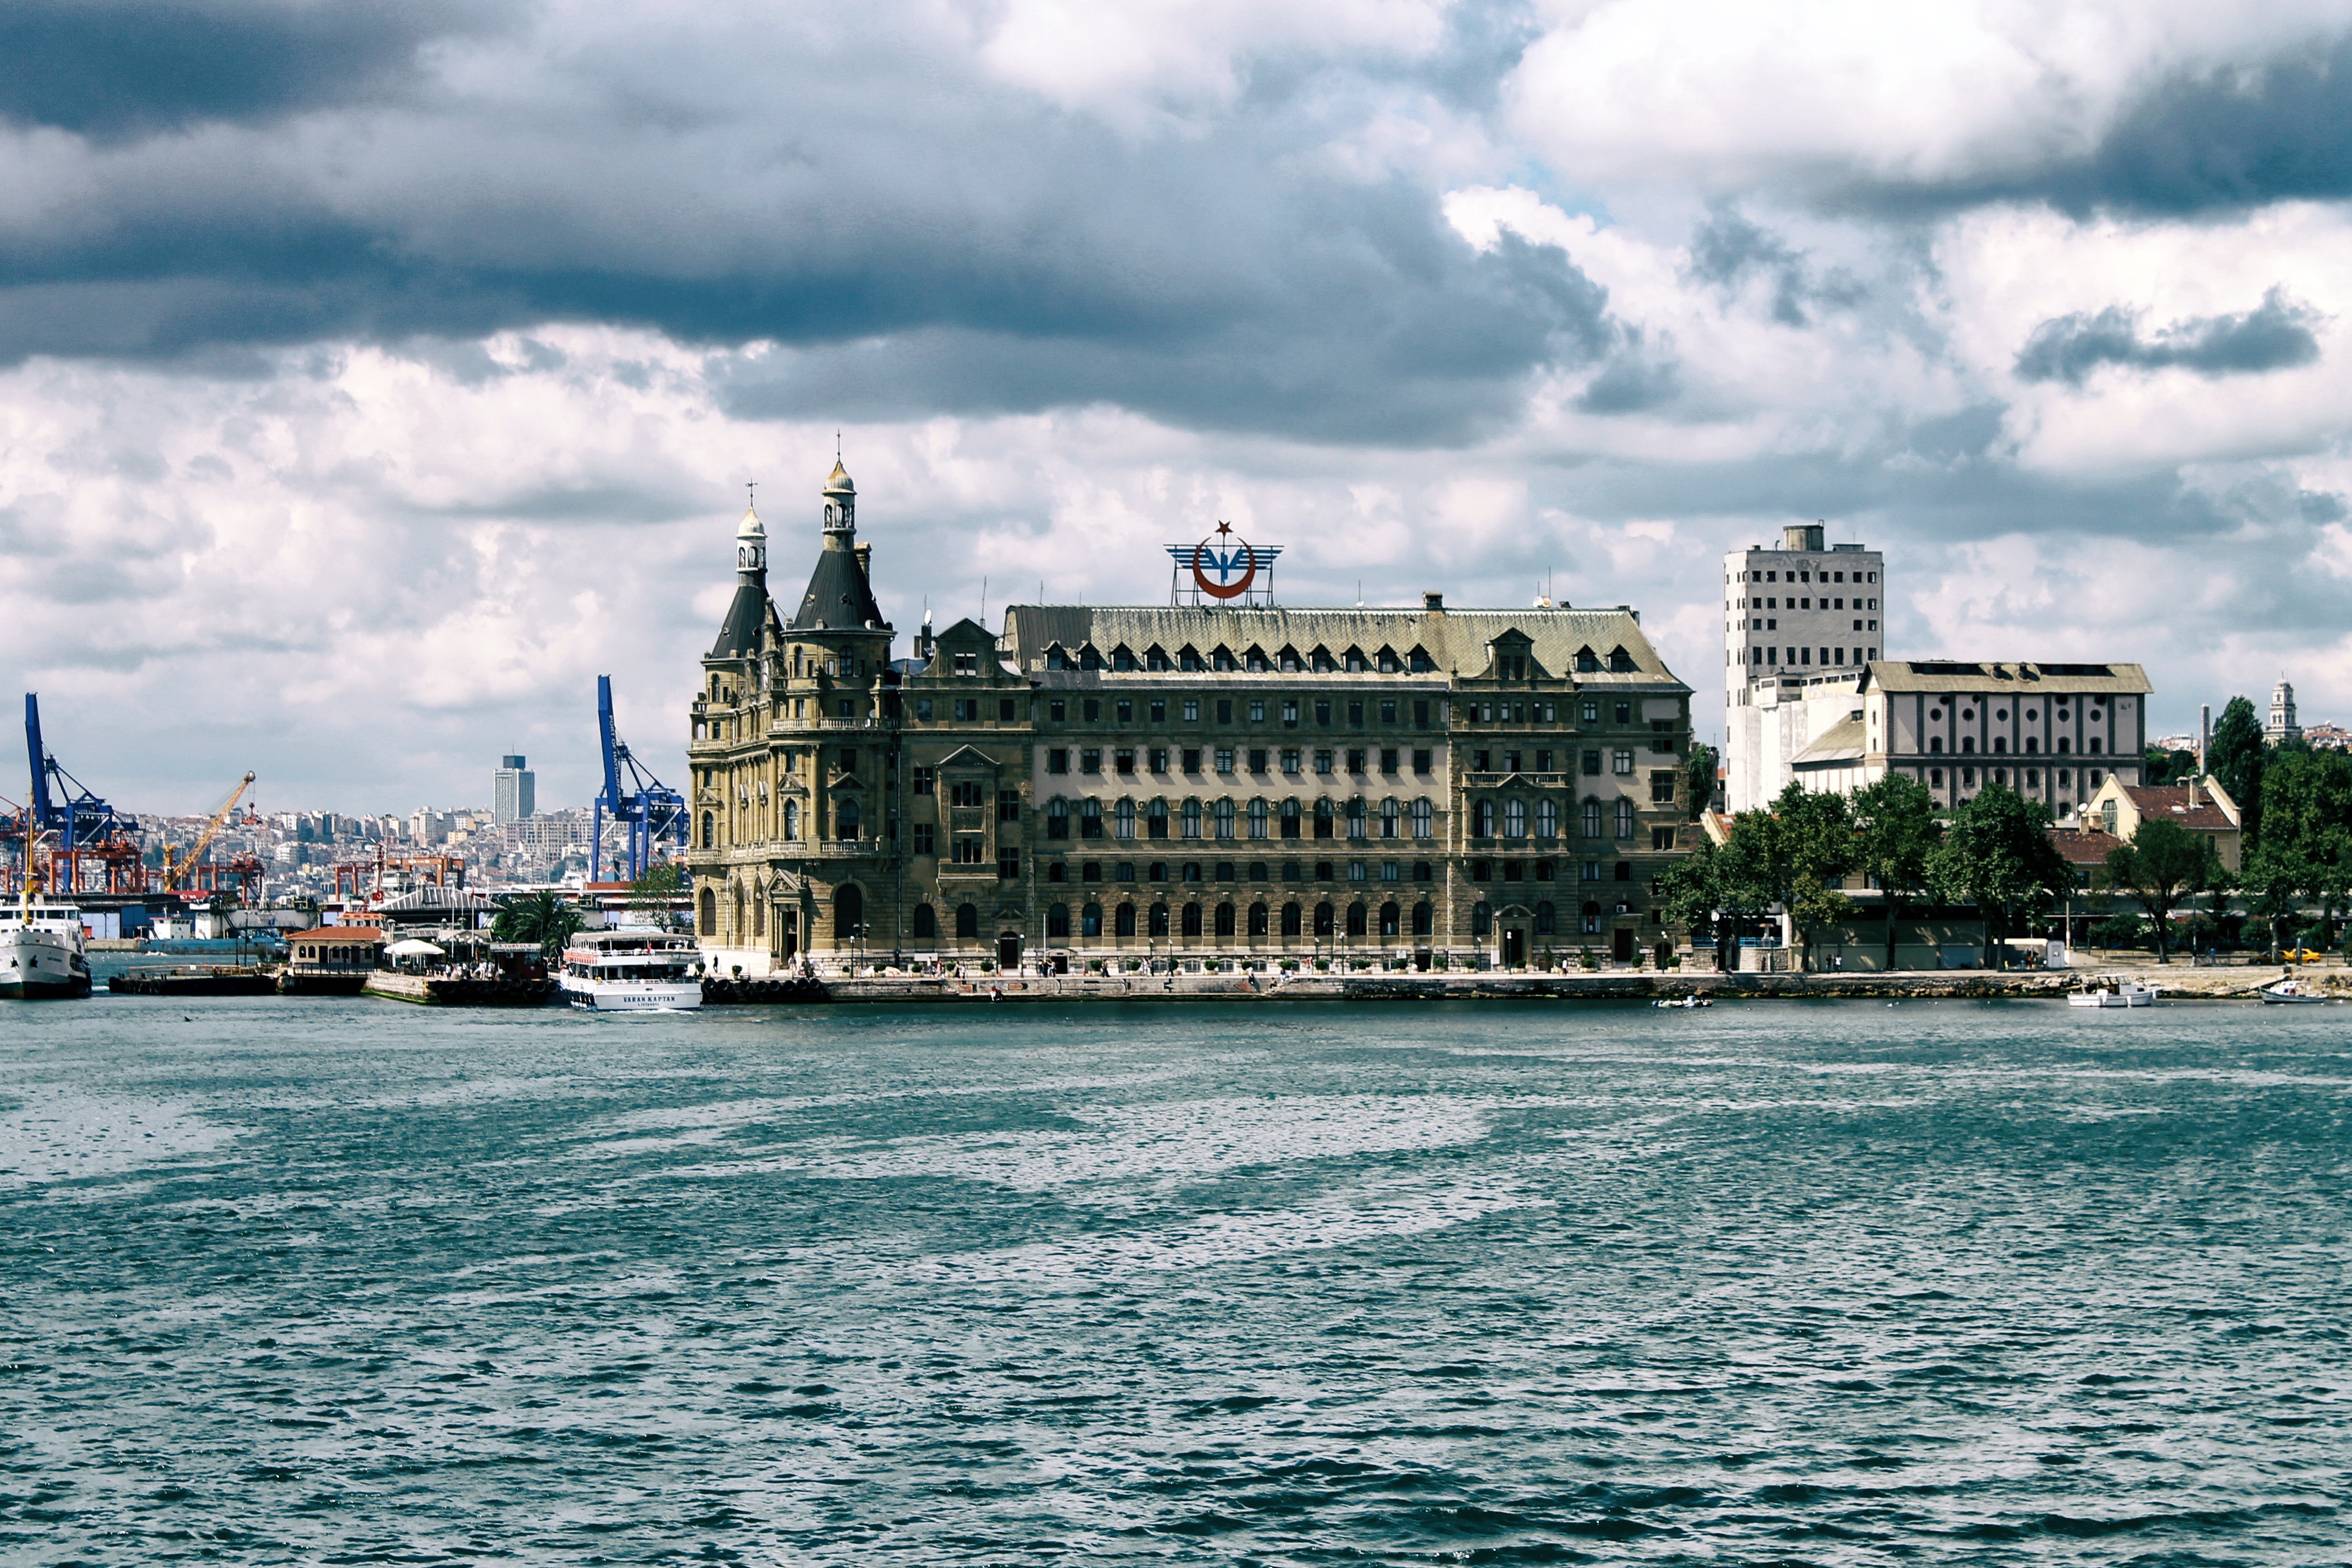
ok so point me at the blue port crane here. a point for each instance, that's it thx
(652, 811)
(80, 831)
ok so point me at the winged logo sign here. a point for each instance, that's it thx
(1223, 564)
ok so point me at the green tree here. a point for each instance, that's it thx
(1895, 831)
(546, 918)
(1686, 894)
(2236, 757)
(1997, 855)
(1818, 852)
(2158, 766)
(2163, 866)
(2277, 880)
(1698, 778)
(651, 895)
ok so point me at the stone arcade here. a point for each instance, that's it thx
(1423, 786)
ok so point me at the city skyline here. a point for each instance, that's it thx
(369, 385)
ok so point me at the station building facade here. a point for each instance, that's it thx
(1425, 786)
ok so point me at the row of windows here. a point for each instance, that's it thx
(1325, 919)
(1478, 870)
(1290, 661)
(1801, 656)
(2032, 743)
(1808, 575)
(1800, 604)
(1124, 760)
(2064, 778)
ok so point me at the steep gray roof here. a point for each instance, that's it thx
(1841, 743)
(839, 598)
(1456, 640)
(747, 618)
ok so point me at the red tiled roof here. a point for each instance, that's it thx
(2170, 803)
(2087, 847)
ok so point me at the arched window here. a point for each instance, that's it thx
(1481, 919)
(1225, 917)
(967, 920)
(927, 923)
(1155, 820)
(1257, 817)
(1258, 919)
(735, 908)
(1058, 922)
(1424, 919)
(1090, 921)
(1590, 824)
(1057, 818)
(1547, 819)
(1160, 920)
(710, 831)
(1967, 743)
(1391, 818)
(1545, 918)
(710, 912)
(1191, 919)
(1290, 818)
(1291, 920)
(2095, 744)
(1481, 819)
(1424, 818)
(1591, 918)
(2033, 743)
(792, 819)
(1123, 819)
(1356, 818)
(1936, 778)
(1323, 819)
(1625, 819)
(2065, 744)
(2001, 743)
(848, 909)
(1391, 919)
(1515, 819)
(1225, 819)
(1123, 922)
(1192, 819)
(1936, 743)
(846, 817)
(1357, 917)
(1090, 818)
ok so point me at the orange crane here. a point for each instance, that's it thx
(175, 875)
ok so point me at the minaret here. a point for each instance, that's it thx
(2283, 726)
(839, 597)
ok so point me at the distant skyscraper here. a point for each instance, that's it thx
(513, 791)
(1793, 654)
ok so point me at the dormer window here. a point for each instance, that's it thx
(1621, 663)
(1587, 661)
(1056, 659)
(967, 663)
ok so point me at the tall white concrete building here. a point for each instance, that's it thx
(1801, 624)
(513, 791)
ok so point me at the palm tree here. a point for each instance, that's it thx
(544, 917)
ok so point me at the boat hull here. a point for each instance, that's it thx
(42, 966)
(620, 996)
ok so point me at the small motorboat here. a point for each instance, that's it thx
(1683, 1002)
(2290, 991)
(2114, 993)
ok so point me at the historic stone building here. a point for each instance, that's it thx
(1423, 786)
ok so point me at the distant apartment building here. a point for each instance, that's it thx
(512, 789)
(1801, 621)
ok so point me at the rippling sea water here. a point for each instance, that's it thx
(317, 1281)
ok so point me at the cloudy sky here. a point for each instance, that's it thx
(372, 375)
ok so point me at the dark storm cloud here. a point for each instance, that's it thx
(968, 249)
(2274, 337)
(2216, 140)
(116, 67)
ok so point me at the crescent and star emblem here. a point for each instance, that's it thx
(1222, 570)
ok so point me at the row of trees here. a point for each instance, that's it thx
(1994, 851)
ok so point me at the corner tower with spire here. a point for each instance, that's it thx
(793, 756)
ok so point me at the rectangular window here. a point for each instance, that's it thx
(1661, 786)
(1593, 712)
(1543, 762)
(1192, 759)
(1092, 709)
(1159, 713)
(967, 710)
(1661, 737)
(1126, 712)
(1290, 710)
(1388, 759)
(1592, 764)
(922, 708)
(923, 840)
(1005, 709)
(1621, 763)
(1123, 760)
(1662, 839)
(1008, 865)
(1482, 762)
(1057, 711)
(1090, 759)
(1624, 712)
(1290, 759)
(1057, 759)
(1423, 758)
(1191, 710)
(967, 851)
(1008, 806)
(1388, 710)
(1323, 756)
(1224, 710)
(1323, 713)
(1420, 715)
(1159, 759)
(1257, 711)
(1355, 758)
(1224, 759)
(1355, 715)
(922, 781)
(1257, 759)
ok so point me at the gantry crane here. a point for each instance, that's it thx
(177, 875)
(78, 833)
(651, 809)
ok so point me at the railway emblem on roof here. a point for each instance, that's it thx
(1224, 567)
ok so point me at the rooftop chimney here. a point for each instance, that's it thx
(1432, 603)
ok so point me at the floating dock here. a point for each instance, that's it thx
(455, 991)
(197, 980)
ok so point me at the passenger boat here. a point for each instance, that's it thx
(2291, 992)
(1683, 1002)
(632, 970)
(2114, 993)
(41, 953)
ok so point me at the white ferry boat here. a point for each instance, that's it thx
(632, 970)
(41, 952)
